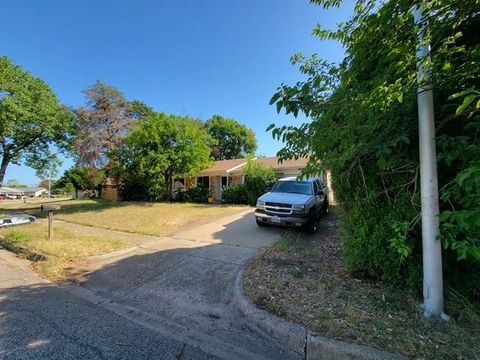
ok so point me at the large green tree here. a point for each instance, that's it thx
(80, 178)
(31, 120)
(231, 139)
(364, 128)
(157, 149)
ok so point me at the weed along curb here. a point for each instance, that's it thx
(311, 345)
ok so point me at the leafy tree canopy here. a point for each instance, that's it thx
(364, 129)
(139, 110)
(231, 139)
(13, 183)
(160, 147)
(31, 120)
(80, 178)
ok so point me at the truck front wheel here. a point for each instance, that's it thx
(261, 223)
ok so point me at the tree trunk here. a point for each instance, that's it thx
(168, 187)
(3, 168)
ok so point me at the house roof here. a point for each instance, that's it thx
(224, 166)
(274, 163)
(33, 189)
(237, 165)
(11, 190)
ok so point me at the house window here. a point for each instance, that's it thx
(226, 181)
(178, 184)
(204, 182)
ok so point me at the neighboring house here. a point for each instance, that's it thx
(11, 192)
(110, 190)
(223, 173)
(34, 192)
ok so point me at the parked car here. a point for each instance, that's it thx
(294, 203)
(17, 219)
(3, 197)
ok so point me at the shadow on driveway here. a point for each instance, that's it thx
(183, 285)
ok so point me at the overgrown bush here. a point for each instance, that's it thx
(258, 180)
(235, 194)
(364, 129)
(197, 193)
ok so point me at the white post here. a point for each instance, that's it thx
(432, 251)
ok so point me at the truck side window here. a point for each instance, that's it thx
(316, 186)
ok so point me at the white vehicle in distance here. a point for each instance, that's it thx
(17, 219)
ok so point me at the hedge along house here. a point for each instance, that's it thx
(223, 173)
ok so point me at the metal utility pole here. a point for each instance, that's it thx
(432, 250)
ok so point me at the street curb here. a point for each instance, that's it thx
(311, 345)
(290, 334)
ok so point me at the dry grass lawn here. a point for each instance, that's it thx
(302, 279)
(146, 218)
(54, 257)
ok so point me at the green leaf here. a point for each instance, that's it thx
(461, 94)
(274, 98)
(279, 106)
(270, 127)
(466, 103)
(400, 97)
(447, 66)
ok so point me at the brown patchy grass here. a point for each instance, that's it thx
(302, 279)
(145, 218)
(53, 258)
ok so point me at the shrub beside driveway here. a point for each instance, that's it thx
(302, 278)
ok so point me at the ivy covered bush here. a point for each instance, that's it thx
(364, 129)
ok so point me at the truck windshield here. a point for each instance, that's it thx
(293, 187)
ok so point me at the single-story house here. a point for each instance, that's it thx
(35, 192)
(31, 192)
(9, 191)
(110, 189)
(223, 173)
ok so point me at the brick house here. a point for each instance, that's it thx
(223, 173)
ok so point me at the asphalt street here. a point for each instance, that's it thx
(42, 321)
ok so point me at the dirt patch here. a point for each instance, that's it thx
(302, 278)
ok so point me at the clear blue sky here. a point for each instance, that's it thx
(185, 57)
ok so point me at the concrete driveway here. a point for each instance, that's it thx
(183, 286)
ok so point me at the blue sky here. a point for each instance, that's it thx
(186, 57)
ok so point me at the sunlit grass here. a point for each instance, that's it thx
(64, 251)
(146, 218)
